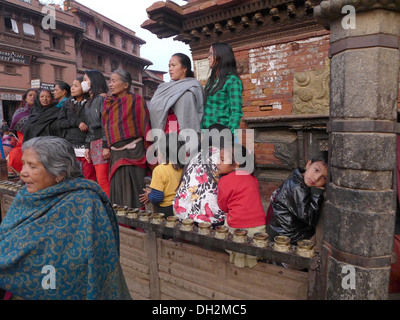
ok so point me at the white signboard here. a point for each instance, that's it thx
(202, 70)
(35, 84)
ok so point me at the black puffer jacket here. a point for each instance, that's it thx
(93, 116)
(71, 115)
(295, 209)
(42, 122)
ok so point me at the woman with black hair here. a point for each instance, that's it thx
(72, 120)
(180, 100)
(62, 92)
(43, 117)
(166, 176)
(223, 91)
(18, 122)
(21, 114)
(96, 149)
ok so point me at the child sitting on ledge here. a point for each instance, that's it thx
(166, 175)
(239, 197)
(295, 205)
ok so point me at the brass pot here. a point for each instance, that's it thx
(221, 232)
(204, 228)
(121, 211)
(187, 225)
(260, 239)
(172, 221)
(281, 243)
(133, 213)
(240, 236)
(158, 218)
(144, 216)
(305, 248)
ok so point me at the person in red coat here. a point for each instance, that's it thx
(239, 197)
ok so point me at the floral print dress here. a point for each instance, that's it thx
(196, 197)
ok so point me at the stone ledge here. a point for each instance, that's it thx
(298, 122)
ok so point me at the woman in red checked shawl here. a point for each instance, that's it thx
(126, 123)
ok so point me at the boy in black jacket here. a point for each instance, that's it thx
(295, 204)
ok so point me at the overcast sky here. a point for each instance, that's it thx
(131, 14)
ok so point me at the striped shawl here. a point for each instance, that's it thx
(125, 118)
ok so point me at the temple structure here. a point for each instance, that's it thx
(283, 59)
(313, 81)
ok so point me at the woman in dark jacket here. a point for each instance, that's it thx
(72, 119)
(96, 151)
(42, 120)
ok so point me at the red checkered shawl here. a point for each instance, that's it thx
(125, 118)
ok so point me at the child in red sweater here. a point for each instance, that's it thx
(239, 197)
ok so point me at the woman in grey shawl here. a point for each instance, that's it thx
(179, 100)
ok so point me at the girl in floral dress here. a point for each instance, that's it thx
(196, 196)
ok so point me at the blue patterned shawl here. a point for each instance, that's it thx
(70, 227)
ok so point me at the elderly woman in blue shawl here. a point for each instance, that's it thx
(60, 238)
(178, 104)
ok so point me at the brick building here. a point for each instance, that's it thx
(151, 80)
(283, 59)
(29, 52)
(34, 52)
(106, 45)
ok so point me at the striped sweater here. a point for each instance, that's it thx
(125, 118)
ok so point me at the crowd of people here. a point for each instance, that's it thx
(84, 147)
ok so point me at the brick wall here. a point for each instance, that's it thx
(269, 82)
(268, 91)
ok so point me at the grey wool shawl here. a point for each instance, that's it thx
(185, 97)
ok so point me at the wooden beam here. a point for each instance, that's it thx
(268, 253)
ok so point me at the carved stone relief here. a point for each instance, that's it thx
(287, 153)
(242, 67)
(286, 146)
(311, 91)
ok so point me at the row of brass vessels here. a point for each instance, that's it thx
(8, 185)
(281, 243)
